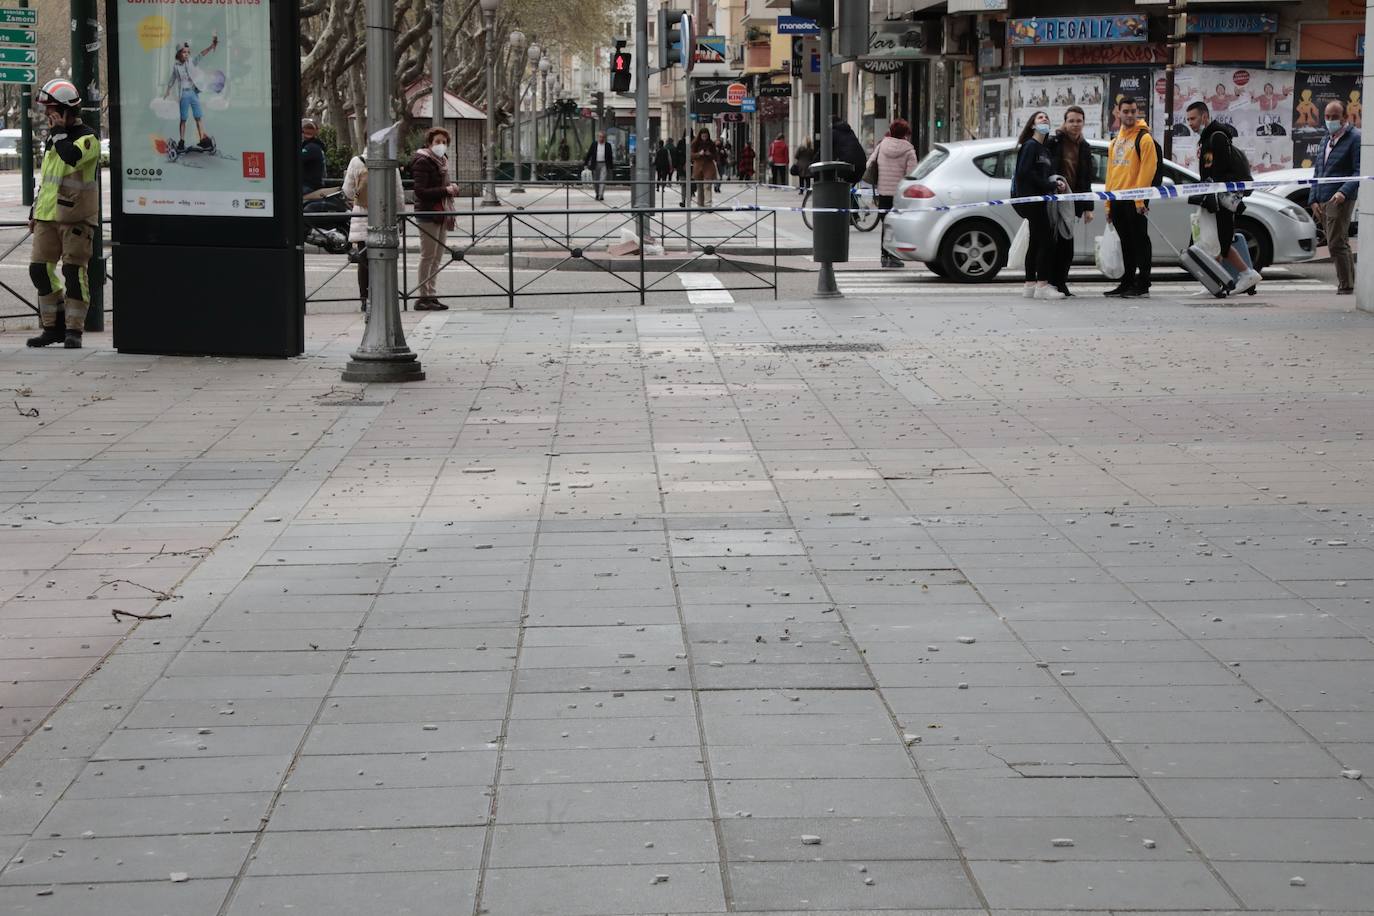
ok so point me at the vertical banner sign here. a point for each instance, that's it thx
(1136, 84)
(195, 93)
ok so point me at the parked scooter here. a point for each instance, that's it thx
(321, 229)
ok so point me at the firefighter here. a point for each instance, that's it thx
(63, 218)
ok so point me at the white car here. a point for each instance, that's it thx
(971, 245)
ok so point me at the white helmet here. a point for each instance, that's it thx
(60, 92)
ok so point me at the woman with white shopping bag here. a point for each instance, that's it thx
(1035, 175)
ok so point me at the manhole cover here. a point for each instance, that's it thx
(834, 347)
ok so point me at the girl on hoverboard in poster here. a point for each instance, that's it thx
(187, 79)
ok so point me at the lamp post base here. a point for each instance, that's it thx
(393, 367)
(826, 287)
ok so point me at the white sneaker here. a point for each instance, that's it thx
(1049, 292)
(1029, 291)
(1245, 281)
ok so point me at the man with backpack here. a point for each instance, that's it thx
(1133, 161)
(1220, 161)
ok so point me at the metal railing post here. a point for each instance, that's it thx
(510, 260)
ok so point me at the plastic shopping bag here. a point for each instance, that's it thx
(1016, 258)
(1108, 254)
(1205, 232)
(586, 176)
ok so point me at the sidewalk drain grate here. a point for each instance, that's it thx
(835, 347)
(677, 311)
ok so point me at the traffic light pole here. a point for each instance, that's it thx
(26, 136)
(642, 190)
(826, 286)
(85, 51)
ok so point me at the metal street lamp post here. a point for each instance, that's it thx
(438, 83)
(545, 65)
(383, 356)
(489, 8)
(532, 54)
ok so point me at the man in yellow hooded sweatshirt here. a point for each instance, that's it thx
(1132, 160)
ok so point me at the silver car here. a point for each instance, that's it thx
(971, 245)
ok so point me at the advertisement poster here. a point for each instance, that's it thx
(1257, 103)
(972, 87)
(1054, 94)
(1311, 94)
(195, 107)
(1136, 84)
(994, 119)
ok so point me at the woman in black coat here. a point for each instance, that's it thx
(1035, 175)
(1071, 156)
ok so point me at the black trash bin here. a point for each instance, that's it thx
(830, 191)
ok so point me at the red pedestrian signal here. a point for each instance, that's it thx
(620, 71)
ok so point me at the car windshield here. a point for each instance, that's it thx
(930, 163)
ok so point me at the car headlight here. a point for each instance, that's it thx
(1295, 213)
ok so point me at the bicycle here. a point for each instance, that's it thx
(863, 209)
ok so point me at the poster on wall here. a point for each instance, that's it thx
(1054, 94)
(1121, 84)
(972, 122)
(196, 107)
(994, 113)
(1257, 103)
(1312, 92)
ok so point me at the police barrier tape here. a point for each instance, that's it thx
(1164, 192)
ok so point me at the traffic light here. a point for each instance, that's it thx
(620, 71)
(677, 40)
(823, 11)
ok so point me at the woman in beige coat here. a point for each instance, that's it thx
(896, 158)
(704, 172)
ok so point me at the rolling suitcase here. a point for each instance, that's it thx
(1202, 267)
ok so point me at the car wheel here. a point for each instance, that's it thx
(936, 268)
(1258, 241)
(973, 251)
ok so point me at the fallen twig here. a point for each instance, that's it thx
(26, 411)
(157, 592)
(116, 613)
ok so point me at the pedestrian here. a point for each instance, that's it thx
(433, 201)
(663, 163)
(1034, 175)
(1332, 204)
(704, 166)
(1071, 156)
(355, 191)
(1220, 161)
(845, 147)
(727, 158)
(777, 161)
(1132, 161)
(564, 153)
(312, 157)
(63, 217)
(895, 158)
(600, 159)
(722, 160)
(806, 154)
(745, 167)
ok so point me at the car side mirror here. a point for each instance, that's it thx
(1168, 181)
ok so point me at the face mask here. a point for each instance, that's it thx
(440, 149)
(1042, 129)
(1333, 126)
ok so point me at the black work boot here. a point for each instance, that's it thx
(48, 336)
(72, 341)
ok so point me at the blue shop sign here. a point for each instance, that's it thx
(1232, 23)
(1076, 30)
(796, 25)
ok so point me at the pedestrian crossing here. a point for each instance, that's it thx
(883, 283)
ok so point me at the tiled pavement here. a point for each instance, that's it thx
(1035, 609)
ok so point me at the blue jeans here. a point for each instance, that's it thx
(190, 102)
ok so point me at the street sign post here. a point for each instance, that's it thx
(12, 16)
(20, 76)
(10, 35)
(18, 55)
